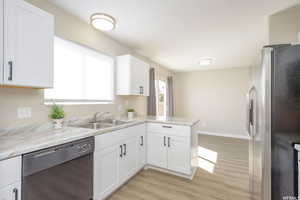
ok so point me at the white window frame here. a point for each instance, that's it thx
(164, 79)
(86, 101)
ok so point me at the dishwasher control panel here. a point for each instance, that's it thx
(83, 148)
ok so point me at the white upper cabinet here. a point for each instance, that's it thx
(132, 76)
(28, 45)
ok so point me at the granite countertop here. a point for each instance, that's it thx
(21, 140)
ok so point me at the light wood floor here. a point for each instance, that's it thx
(223, 179)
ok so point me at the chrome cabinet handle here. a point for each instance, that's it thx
(15, 191)
(164, 140)
(125, 150)
(142, 140)
(10, 74)
(121, 154)
(167, 126)
(169, 142)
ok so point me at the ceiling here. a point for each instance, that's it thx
(178, 33)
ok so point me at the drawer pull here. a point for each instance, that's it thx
(121, 154)
(10, 74)
(164, 140)
(169, 142)
(125, 151)
(167, 126)
(142, 140)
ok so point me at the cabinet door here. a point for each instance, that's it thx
(139, 77)
(141, 146)
(11, 192)
(146, 78)
(1, 41)
(28, 45)
(128, 163)
(106, 171)
(179, 153)
(157, 150)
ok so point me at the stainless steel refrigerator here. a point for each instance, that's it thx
(273, 113)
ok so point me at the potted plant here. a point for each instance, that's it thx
(57, 114)
(130, 113)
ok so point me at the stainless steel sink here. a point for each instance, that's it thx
(102, 124)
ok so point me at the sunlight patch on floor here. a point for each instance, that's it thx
(207, 154)
(207, 159)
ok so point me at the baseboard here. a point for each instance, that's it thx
(244, 137)
(191, 176)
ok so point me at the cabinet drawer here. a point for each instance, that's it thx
(114, 137)
(10, 171)
(183, 131)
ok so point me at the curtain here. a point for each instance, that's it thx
(151, 103)
(170, 98)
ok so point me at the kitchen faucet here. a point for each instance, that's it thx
(99, 114)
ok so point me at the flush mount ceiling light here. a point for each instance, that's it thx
(103, 22)
(205, 61)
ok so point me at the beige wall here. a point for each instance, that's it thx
(72, 28)
(216, 97)
(284, 26)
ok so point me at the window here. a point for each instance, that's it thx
(81, 75)
(161, 90)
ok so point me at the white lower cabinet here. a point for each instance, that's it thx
(179, 154)
(157, 150)
(11, 192)
(10, 179)
(141, 146)
(128, 161)
(106, 168)
(118, 156)
(169, 152)
(170, 147)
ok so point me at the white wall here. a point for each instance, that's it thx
(284, 26)
(216, 97)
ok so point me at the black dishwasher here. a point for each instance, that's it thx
(63, 172)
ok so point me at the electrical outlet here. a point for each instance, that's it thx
(27, 112)
(24, 112)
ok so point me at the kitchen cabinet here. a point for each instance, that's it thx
(179, 154)
(170, 147)
(28, 45)
(11, 192)
(106, 168)
(141, 146)
(132, 76)
(10, 181)
(128, 160)
(116, 159)
(157, 150)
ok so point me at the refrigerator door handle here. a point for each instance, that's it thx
(247, 114)
(250, 112)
